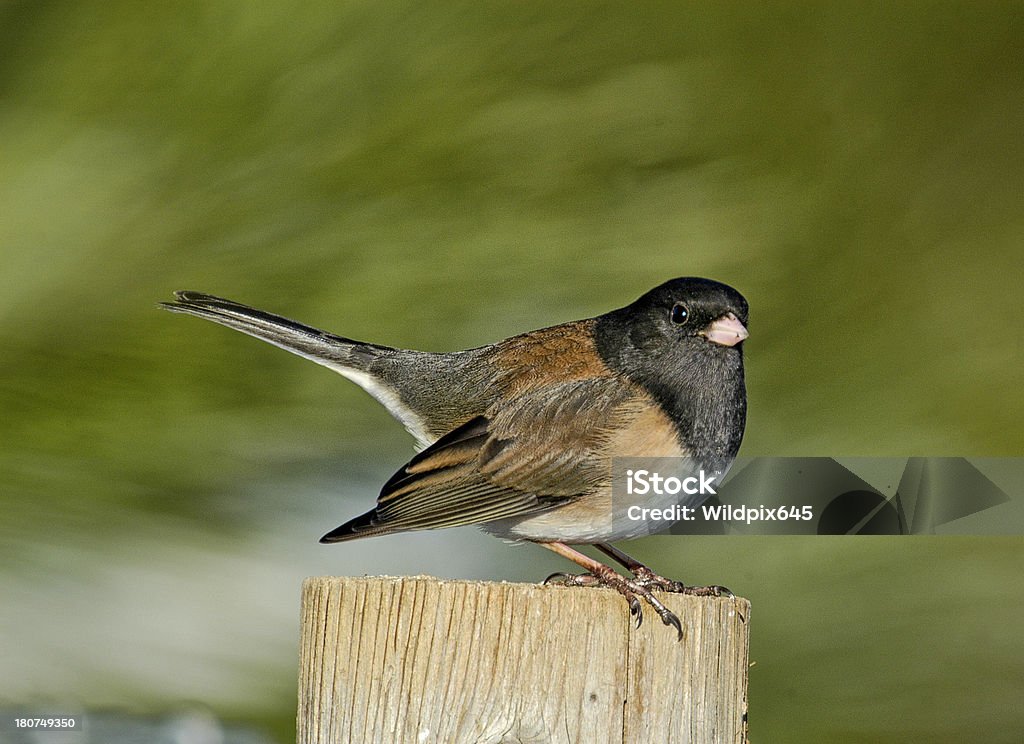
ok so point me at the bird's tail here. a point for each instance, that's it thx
(341, 354)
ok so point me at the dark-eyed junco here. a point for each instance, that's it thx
(518, 437)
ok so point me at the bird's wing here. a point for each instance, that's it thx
(536, 451)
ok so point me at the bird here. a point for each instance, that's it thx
(519, 437)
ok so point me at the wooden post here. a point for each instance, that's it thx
(420, 660)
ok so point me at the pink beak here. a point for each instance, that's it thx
(727, 331)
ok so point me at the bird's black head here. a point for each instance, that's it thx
(683, 343)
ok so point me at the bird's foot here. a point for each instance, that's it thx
(647, 578)
(632, 589)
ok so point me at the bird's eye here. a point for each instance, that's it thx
(680, 314)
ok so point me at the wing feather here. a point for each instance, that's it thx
(539, 450)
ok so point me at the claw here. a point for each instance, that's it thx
(636, 609)
(559, 577)
(669, 618)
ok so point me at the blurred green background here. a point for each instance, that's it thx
(444, 175)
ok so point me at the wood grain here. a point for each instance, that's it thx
(419, 659)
